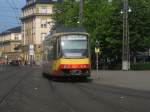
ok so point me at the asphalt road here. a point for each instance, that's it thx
(24, 89)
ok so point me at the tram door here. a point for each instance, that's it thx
(54, 54)
(50, 56)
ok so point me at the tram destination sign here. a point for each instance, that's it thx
(74, 37)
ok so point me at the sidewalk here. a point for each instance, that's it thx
(139, 80)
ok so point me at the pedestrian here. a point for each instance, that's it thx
(25, 63)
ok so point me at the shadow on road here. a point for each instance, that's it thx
(68, 79)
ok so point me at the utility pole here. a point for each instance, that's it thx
(97, 52)
(81, 12)
(125, 48)
(2, 53)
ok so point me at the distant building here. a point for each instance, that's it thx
(9, 41)
(36, 23)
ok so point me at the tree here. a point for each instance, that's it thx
(139, 20)
(66, 13)
(103, 21)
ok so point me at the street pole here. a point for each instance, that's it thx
(2, 46)
(97, 63)
(1, 56)
(125, 48)
(81, 12)
(97, 51)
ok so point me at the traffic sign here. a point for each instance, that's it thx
(31, 49)
(97, 50)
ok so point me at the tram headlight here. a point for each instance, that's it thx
(84, 66)
(65, 66)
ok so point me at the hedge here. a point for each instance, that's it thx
(141, 66)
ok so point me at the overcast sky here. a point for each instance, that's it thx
(10, 13)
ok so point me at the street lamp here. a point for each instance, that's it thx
(97, 51)
(81, 12)
(125, 48)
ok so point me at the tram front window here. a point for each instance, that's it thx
(74, 46)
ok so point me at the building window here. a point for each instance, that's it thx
(43, 23)
(33, 31)
(49, 10)
(43, 10)
(30, 2)
(16, 37)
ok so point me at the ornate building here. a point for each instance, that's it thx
(9, 41)
(36, 23)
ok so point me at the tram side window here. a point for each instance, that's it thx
(55, 49)
(58, 48)
(45, 56)
(46, 53)
(50, 51)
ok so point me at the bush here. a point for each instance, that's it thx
(141, 66)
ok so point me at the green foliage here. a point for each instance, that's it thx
(140, 66)
(139, 21)
(104, 23)
(66, 13)
(102, 20)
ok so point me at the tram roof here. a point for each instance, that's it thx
(64, 29)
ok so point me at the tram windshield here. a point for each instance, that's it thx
(74, 46)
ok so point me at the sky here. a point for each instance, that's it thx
(10, 13)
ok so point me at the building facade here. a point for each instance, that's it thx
(9, 41)
(36, 23)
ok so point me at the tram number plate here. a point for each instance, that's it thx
(76, 72)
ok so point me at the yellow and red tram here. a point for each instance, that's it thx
(66, 52)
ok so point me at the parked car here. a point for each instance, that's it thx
(2, 61)
(14, 62)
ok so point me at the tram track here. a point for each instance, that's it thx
(37, 94)
(99, 100)
(60, 99)
(12, 89)
(115, 90)
(86, 94)
(103, 94)
(114, 99)
(13, 74)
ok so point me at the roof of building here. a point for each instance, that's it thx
(39, 2)
(46, 1)
(12, 30)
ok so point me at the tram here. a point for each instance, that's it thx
(66, 53)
